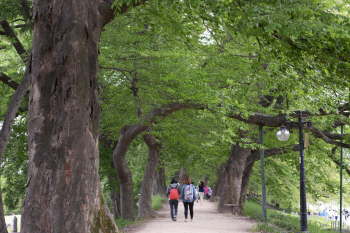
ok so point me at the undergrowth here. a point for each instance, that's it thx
(156, 204)
(277, 222)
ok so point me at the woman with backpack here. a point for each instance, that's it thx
(188, 196)
(201, 191)
(173, 192)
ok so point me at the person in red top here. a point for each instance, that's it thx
(173, 192)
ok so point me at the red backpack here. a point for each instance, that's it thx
(174, 194)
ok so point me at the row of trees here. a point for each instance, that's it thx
(191, 79)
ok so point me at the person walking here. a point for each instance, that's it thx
(188, 196)
(201, 191)
(173, 192)
(207, 193)
(336, 215)
(210, 192)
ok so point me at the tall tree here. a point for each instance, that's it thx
(64, 108)
(154, 152)
(63, 190)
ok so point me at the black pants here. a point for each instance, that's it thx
(186, 205)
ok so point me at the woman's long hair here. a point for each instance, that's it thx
(187, 180)
(202, 184)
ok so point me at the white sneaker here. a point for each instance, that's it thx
(185, 219)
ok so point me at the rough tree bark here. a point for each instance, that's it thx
(126, 135)
(159, 186)
(220, 183)
(63, 190)
(115, 196)
(206, 179)
(244, 187)
(181, 176)
(113, 182)
(145, 201)
(234, 167)
(221, 186)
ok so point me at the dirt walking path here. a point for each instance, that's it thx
(206, 220)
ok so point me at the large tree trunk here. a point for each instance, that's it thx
(159, 186)
(206, 179)
(234, 167)
(181, 176)
(244, 187)
(220, 183)
(63, 191)
(115, 199)
(115, 195)
(126, 135)
(145, 201)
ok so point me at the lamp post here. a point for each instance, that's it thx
(283, 135)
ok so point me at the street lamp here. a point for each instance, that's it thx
(283, 135)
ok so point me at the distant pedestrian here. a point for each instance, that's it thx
(331, 214)
(336, 215)
(188, 196)
(207, 192)
(173, 192)
(201, 191)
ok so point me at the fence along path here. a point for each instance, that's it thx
(206, 220)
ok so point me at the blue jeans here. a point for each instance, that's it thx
(174, 203)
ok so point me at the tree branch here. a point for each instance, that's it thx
(108, 14)
(166, 110)
(319, 134)
(13, 107)
(275, 121)
(331, 155)
(5, 79)
(17, 44)
(255, 155)
(26, 9)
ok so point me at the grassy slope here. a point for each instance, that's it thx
(277, 221)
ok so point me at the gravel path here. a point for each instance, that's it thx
(206, 220)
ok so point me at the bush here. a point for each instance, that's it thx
(157, 201)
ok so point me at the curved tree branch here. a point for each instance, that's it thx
(7, 80)
(319, 134)
(9, 119)
(26, 8)
(331, 155)
(17, 44)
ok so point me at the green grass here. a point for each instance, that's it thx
(277, 222)
(157, 202)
